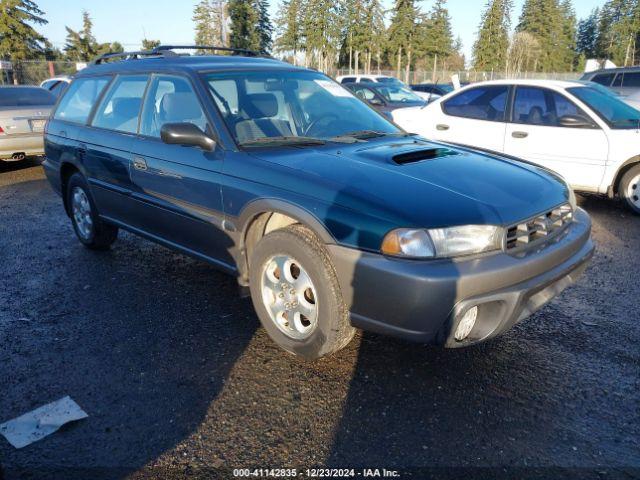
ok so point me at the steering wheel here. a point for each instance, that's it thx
(318, 121)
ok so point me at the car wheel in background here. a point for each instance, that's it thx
(629, 189)
(90, 230)
(296, 295)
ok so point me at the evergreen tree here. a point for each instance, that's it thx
(18, 39)
(401, 33)
(619, 29)
(567, 46)
(245, 19)
(289, 28)
(491, 47)
(588, 35)
(210, 17)
(81, 46)
(321, 31)
(264, 26)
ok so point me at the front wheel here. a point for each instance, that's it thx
(629, 189)
(89, 228)
(296, 295)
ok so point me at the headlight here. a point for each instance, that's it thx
(442, 242)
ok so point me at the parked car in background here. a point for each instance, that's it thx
(56, 85)
(331, 216)
(382, 79)
(587, 135)
(385, 98)
(23, 114)
(623, 81)
(432, 90)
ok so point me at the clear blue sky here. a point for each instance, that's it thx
(170, 20)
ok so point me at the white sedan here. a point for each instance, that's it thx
(586, 134)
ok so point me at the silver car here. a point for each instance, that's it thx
(623, 81)
(24, 112)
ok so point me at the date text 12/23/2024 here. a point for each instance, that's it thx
(315, 473)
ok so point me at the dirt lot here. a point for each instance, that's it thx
(178, 377)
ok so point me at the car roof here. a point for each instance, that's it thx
(187, 63)
(561, 84)
(613, 70)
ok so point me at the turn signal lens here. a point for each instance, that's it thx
(408, 243)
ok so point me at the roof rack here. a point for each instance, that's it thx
(167, 51)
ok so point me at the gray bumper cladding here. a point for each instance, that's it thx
(423, 300)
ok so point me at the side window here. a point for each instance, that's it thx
(365, 94)
(480, 103)
(538, 106)
(171, 100)
(121, 106)
(604, 79)
(631, 79)
(82, 94)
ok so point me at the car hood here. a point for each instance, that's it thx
(413, 182)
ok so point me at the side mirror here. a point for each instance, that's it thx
(575, 121)
(186, 134)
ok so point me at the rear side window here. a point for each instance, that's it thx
(604, 79)
(25, 97)
(480, 103)
(80, 97)
(631, 79)
(121, 106)
(171, 100)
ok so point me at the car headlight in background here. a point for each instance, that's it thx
(442, 242)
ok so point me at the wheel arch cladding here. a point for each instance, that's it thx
(67, 169)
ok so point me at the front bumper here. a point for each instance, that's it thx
(423, 300)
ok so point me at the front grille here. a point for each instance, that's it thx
(538, 229)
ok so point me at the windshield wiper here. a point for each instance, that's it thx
(288, 140)
(361, 134)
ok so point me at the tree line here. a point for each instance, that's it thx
(362, 35)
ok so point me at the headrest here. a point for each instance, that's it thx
(262, 105)
(180, 107)
(126, 107)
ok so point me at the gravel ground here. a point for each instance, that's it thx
(178, 377)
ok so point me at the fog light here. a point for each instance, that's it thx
(466, 323)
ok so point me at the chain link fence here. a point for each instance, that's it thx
(33, 72)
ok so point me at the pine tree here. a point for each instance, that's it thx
(401, 33)
(619, 29)
(245, 18)
(491, 47)
(18, 39)
(588, 35)
(321, 31)
(264, 26)
(289, 28)
(210, 17)
(81, 46)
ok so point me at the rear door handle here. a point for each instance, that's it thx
(139, 163)
(519, 134)
(442, 127)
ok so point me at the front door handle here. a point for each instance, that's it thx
(442, 127)
(139, 163)
(519, 134)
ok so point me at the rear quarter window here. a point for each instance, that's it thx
(79, 99)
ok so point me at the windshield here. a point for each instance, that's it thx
(398, 94)
(25, 97)
(390, 81)
(615, 112)
(297, 107)
(446, 88)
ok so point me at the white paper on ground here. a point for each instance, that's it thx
(42, 421)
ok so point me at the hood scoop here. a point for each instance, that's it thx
(420, 155)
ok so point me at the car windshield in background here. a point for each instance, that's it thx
(25, 97)
(615, 112)
(296, 107)
(398, 94)
(389, 81)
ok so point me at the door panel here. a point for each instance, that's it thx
(176, 189)
(535, 134)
